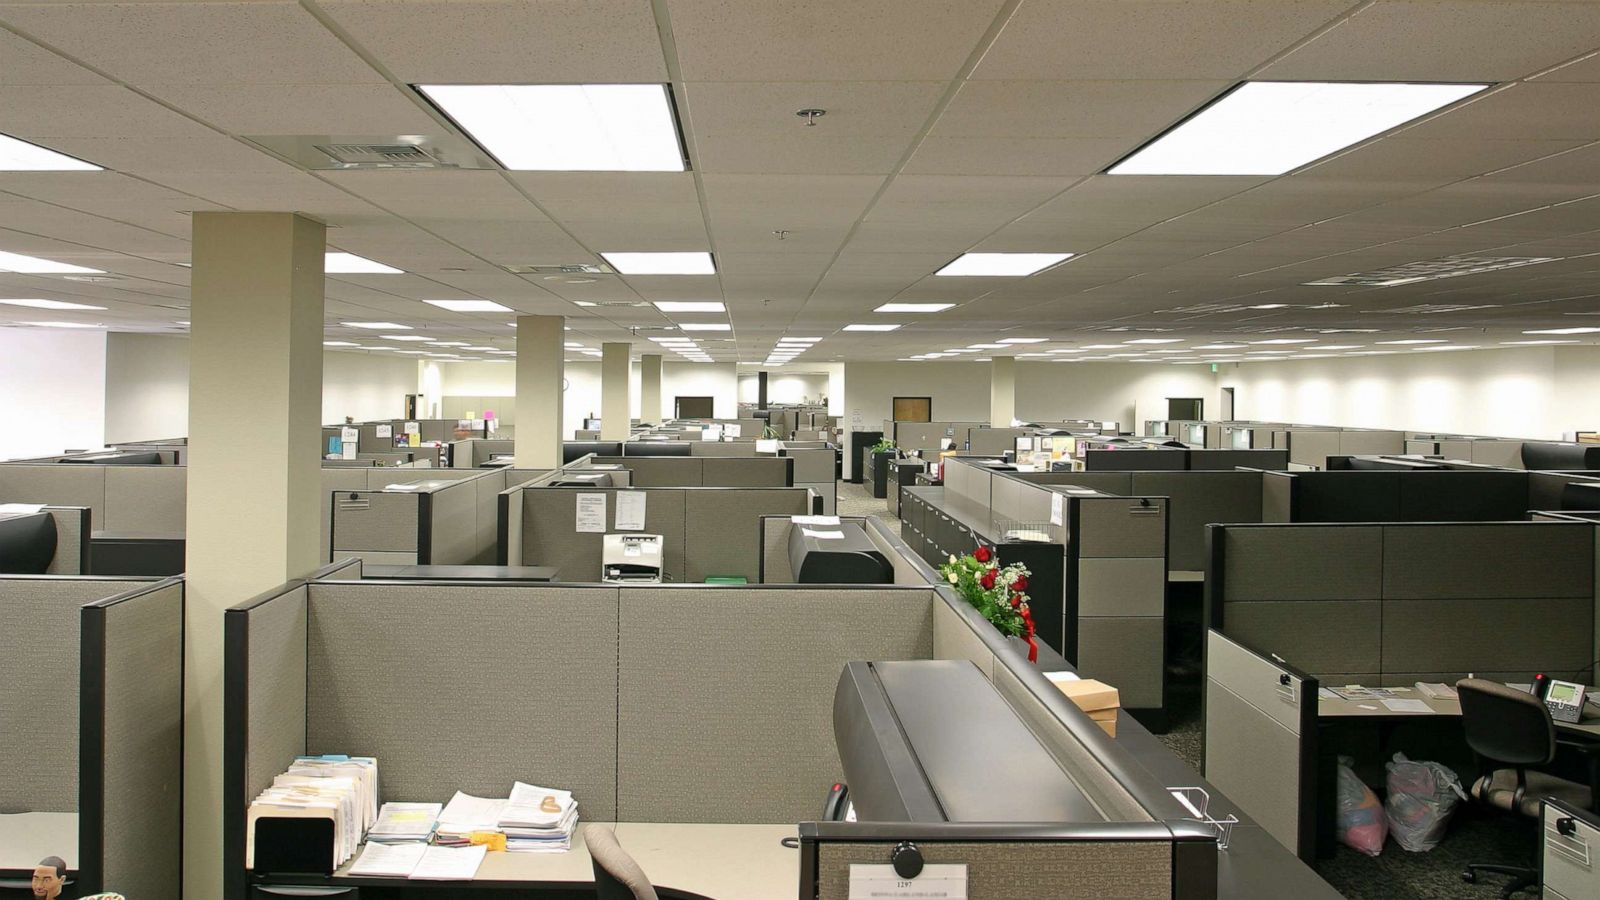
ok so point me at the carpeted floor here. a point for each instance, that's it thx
(1393, 875)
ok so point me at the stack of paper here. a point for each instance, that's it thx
(537, 819)
(419, 861)
(400, 823)
(341, 788)
(464, 815)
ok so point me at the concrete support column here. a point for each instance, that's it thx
(614, 393)
(650, 388)
(541, 391)
(254, 484)
(1002, 391)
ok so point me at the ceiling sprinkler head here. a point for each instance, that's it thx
(811, 115)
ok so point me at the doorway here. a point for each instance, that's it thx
(1186, 409)
(693, 408)
(913, 409)
(1227, 404)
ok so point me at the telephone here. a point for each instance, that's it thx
(1565, 700)
(833, 809)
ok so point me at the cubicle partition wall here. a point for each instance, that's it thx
(92, 713)
(691, 471)
(815, 465)
(123, 499)
(1311, 447)
(667, 716)
(420, 520)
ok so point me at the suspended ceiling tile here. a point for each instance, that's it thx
(1428, 40)
(43, 112)
(887, 40)
(28, 63)
(507, 42)
(1016, 156)
(439, 193)
(268, 109)
(1134, 110)
(1528, 111)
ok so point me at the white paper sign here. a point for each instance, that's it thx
(385, 431)
(937, 882)
(413, 428)
(711, 433)
(823, 535)
(349, 439)
(1057, 514)
(630, 510)
(765, 446)
(814, 520)
(591, 514)
(732, 431)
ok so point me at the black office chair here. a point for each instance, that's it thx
(1509, 731)
(616, 875)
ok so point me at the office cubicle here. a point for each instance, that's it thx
(422, 520)
(92, 713)
(1377, 604)
(667, 713)
(816, 466)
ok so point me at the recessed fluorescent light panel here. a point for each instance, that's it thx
(1155, 341)
(21, 156)
(913, 307)
(1536, 343)
(704, 326)
(405, 337)
(340, 344)
(468, 305)
(339, 263)
(62, 325)
(567, 127)
(1273, 127)
(668, 306)
(696, 262)
(871, 327)
(48, 304)
(1564, 331)
(1023, 340)
(377, 326)
(996, 265)
(1415, 341)
(1433, 270)
(32, 265)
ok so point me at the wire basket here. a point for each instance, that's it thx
(1197, 800)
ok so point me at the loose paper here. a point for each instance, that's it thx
(12, 510)
(413, 439)
(765, 446)
(450, 863)
(591, 514)
(389, 860)
(413, 428)
(630, 510)
(880, 882)
(385, 431)
(823, 535)
(1057, 514)
(732, 431)
(814, 520)
(1413, 706)
(349, 442)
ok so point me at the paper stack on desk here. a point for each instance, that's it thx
(465, 815)
(539, 820)
(341, 788)
(419, 861)
(404, 823)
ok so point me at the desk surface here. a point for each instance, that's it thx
(1340, 708)
(716, 861)
(26, 838)
(463, 573)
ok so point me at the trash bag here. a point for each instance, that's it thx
(1362, 825)
(1422, 798)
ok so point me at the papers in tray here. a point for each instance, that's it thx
(404, 822)
(341, 788)
(419, 861)
(465, 814)
(537, 819)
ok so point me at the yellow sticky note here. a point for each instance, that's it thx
(494, 840)
(414, 439)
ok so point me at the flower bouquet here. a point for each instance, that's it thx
(997, 592)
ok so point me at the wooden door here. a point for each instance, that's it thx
(913, 409)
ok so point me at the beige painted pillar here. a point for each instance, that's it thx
(254, 479)
(614, 399)
(650, 388)
(541, 387)
(1002, 391)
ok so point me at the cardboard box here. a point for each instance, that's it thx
(1100, 700)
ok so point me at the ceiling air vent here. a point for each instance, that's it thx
(567, 269)
(382, 156)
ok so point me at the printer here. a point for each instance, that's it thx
(630, 559)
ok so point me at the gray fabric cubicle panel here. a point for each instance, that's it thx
(740, 449)
(1199, 499)
(374, 522)
(1021, 870)
(453, 526)
(335, 480)
(1488, 560)
(1312, 448)
(659, 471)
(992, 441)
(1302, 562)
(489, 488)
(1125, 651)
(1108, 527)
(775, 565)
(142, 749)
(920, 435)
(1362, 443)
(1526, 636)
(374, 687)
(812, 464)
(39, 702)
(726, 694)
(768, 471)
(1019, 500)
(73, 527)
(722, 528)
(550, 536)
(953, 638)
(1319, 636)
(1109, 482)
(56, 485)
(967, 480)
(275, 659)
(1277, 496)
(1497, 453)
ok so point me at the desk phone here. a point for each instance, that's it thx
(1565, 701)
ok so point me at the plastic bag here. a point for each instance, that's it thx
(1362, 825)
(1422, 797)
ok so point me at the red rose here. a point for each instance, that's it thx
(1020, 585)
(987, 580)
(1016, 602)
(981, 554)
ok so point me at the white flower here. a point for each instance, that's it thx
(952, 578)
(952, 559)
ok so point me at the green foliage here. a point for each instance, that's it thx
(884, 445)
(1004, 603)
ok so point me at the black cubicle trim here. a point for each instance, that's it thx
(502, 528)
(425, 528)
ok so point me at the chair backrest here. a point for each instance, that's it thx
(27, 544)
(1505, 725)
(616, 875)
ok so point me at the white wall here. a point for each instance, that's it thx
(785, 387)
(52, 391)
(147, 386)
(1507, 393)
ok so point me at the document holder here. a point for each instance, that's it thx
(298, 846)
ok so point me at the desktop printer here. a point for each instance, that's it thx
(630, 559)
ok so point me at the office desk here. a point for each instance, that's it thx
(462, 573)
(26, 838)
(1340, 708)
(720, 862)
